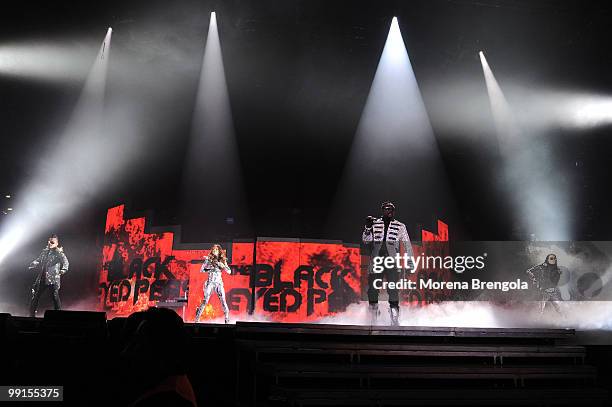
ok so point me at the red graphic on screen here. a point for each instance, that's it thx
(290, 281)
(137, 267)
(305, 281)
(433, 244)
(441, 236)
(142, 269)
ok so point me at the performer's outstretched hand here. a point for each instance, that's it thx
(369, 222)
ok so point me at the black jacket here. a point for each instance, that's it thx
(51, 264)
(544, 276)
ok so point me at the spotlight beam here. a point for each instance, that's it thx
(504, 120)
(45, 61)
(71, 172)
(212, 191)
(529, 177)
(394, 155)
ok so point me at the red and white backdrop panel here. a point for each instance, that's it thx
(290, 281)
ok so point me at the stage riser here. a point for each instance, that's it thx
(303, 365)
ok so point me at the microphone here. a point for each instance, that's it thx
(369, 221)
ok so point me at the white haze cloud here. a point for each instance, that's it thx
(579, 315)
(592, 315)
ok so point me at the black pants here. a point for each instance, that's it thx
(389, 275)
(53, 289)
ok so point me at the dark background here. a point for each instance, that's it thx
(298, 75)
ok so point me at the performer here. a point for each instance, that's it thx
(388, 237)
(214, 264)
(545, 277)
(52, 264)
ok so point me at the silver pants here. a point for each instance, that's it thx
(218, 288)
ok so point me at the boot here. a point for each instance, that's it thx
(199, 313)
(33, 304)
(394, 315)
(373, 310)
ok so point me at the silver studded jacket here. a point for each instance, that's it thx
(397, 240)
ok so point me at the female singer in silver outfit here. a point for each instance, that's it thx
(214, 264)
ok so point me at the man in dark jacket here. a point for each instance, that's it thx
(51, 265)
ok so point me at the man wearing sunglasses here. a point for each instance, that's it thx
(51, 264)
(388, 237)
(545, 277)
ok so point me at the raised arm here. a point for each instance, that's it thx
(366, 236)
(206, 266)
(226, 267)
(533, 273)
(36, 262)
